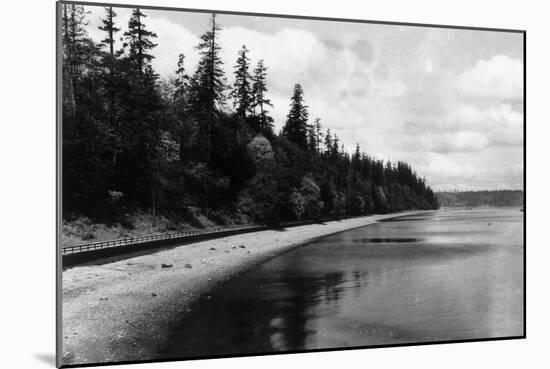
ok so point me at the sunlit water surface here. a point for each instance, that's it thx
(446, 275)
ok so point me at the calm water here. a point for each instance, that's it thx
(448, 275)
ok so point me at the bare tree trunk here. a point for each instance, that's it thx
(262, 115)
(182, 148)
(211, 88)
(140, 51)
(154, 205)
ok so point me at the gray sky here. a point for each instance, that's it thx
(449, 102)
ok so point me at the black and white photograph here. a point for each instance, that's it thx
(239, 184)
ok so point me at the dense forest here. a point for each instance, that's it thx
(135, 142)
(502, 198)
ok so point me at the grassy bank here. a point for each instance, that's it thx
(79, 230)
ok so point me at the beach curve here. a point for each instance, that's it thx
(122, 311)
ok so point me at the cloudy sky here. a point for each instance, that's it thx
(449, 102)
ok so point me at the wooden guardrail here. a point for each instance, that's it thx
(159, 237)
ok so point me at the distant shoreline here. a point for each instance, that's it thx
(494, 198)
(482, 207)
(123, 310)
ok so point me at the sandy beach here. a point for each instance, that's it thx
(122, 311)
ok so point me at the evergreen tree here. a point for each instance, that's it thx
(86, 133)
(356, 159)
(138, 39)
(109, 40)
(311, 139)
(81, 67)
(141, 116)
(318, 134)
(109, 64)
(242, 93)
(209, 83)
(260, 101)
(75, 36)
(181, 83)
(68, 78)
(334, 151)
(183, 126)
(295, 128)
(389, 171)
(78, 50)
(328, 143)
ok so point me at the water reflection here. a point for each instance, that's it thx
(452, 275)
(388, 240)
(261, 316)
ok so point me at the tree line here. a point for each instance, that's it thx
(132, 140)
(497, 198)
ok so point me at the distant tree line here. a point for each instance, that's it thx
(133, 141)
(503, 198)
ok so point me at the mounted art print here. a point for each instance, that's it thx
(235, 184)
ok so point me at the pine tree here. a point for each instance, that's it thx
(328, 143)
(295, 128)
(242, 93)
(108, 62)
(356, 159)
(311, 139)
(181, 83)
(209, 83)
(109, 41)
(75, 36)
(76, 50)
(141, 115)
(138, 39)
(180, 97)
(335, 142)
(318, 134)
(260, 101)
(87, 140)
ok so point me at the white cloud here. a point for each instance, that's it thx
(500, 77)
(173, 39)
(391, 88)
(428, 66)
(444, 167)
(292, 56)
(499, 123)
(466, 128)
(450, 172)
(446, 142)
(462, 141)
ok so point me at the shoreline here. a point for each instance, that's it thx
(123, 310)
